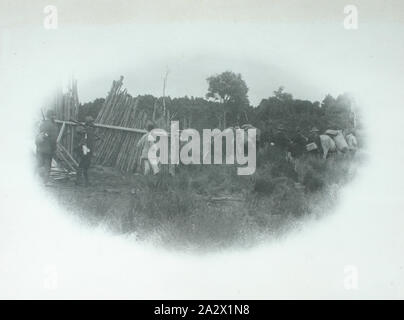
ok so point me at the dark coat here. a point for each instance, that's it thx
(46, 140)
(281, 140)
(298, 145)
(315, 137)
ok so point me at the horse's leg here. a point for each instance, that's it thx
(325, 150)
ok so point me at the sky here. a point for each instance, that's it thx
(269, 43)
(264, 54)
(299, 44)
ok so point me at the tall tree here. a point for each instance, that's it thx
(338, 111)
(230, 90)
(328, 102)
(281, 95)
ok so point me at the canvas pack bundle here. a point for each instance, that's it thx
(311, 146)
(340, 142)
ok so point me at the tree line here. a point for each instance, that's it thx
(226, 104)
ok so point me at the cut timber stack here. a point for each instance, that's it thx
(66, 107)
(118, 147)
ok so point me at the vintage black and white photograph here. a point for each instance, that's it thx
(201, 150)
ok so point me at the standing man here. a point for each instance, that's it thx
(46, 143)
(314, 137)
(85, 150)
(280, 155)
(281, 141)
(297, 149)
(145, 143)
(299, 142)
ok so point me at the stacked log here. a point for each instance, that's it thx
(66, 106)
(117, 148)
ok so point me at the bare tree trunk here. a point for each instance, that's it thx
(164, 100)
(168, 119)
(154, 111)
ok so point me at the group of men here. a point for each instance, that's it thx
(46, 146)
(46, 142)
(298, 143)
(85, 140)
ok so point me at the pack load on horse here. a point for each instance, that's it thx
(339, 139)
(314, 143)
(311, 146)
(351, 141)
(327, 144)
(331, 141)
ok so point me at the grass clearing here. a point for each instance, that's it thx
(180, 212)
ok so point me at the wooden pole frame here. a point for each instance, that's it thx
(106, 126)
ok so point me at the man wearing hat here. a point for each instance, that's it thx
(299, 142)
(281, 139)
(314, 137)
(85, 149)
(46, 142)
(146, 164)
